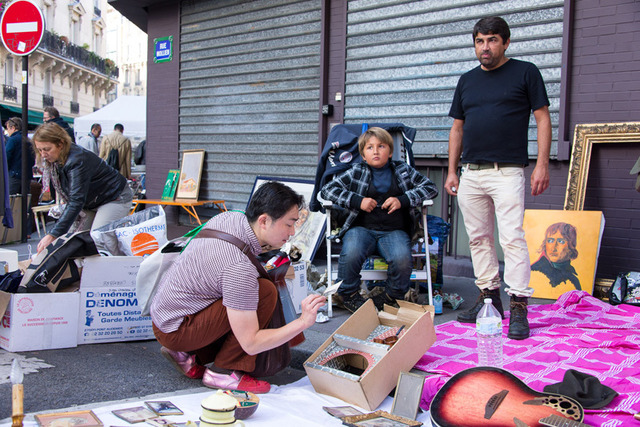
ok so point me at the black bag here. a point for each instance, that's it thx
(625, 289)
(113, 159)
(272, 361)
(10, 281)
(55, 268)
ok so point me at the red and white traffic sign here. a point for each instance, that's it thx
(22, 27)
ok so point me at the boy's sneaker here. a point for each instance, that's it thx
(353, 302)
(185, 363)
(235, 381)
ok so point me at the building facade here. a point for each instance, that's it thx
(126, 45)
(69, 70)
(251, 82)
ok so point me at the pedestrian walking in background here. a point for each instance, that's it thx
(116, 144)
(14, 155)
(90, 141)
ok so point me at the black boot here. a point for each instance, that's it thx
(384, 298)
(518, 323)
(470, 315)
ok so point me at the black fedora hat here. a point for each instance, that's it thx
(584, 388)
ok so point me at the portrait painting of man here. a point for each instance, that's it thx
(563, 250)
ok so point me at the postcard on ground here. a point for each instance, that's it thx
(163, 407)
(76, 419)
(137, 414)
(563, 250)
(341, 411)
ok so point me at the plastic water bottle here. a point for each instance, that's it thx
(489, 334)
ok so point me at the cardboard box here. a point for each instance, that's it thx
(370, 388)
(38, 321)
(109, 310)
(297, 285)
(10, 258)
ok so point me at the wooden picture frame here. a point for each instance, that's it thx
(379, 418)
(171, 185)
(190, 174)
(75, 418)
(406, 401)
(311, 225)
(584, 137)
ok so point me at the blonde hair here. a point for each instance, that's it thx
(381, 134)
(53, 133)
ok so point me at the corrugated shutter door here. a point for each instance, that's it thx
(404, 60)
(249, 90)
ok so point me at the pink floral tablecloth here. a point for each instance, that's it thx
(576, 332)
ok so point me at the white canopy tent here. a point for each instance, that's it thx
(130, 111)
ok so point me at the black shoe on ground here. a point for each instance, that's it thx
(518, 322)
(383, 298)
(470, 315)
(353, 302)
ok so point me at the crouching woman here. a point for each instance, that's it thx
(211, 306)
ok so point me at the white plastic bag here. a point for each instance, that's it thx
(139, 234)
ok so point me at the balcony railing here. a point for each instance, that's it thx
(75, 107)
(47, 101)
(55, 44)
(10, 92)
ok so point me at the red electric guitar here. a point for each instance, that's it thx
(486, 396)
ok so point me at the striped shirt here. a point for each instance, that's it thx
(207, 270)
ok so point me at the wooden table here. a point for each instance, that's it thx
(187, 205)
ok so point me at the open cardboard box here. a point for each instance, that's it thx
(372, 387)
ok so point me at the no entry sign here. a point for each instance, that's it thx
(22, 27)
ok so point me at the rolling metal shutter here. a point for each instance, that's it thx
(404, 60)
(249, 90)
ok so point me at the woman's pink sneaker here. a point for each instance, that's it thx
(185, 363)
(235, 381)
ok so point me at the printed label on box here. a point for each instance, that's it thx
(109, 308)
(112, 314)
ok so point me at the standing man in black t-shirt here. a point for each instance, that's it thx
(491, 109)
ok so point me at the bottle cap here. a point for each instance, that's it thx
(488, 300)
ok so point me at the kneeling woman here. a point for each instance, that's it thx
(212, 305)
(93, 193)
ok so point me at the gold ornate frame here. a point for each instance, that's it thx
(584, 137)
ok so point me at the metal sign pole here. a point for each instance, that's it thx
(26, 184)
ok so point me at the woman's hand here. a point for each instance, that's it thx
(46, 241)
(310, 306)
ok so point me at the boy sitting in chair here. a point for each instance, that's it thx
(379, 195)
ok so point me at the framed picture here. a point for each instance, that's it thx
(170, 185)
(310, 226)
(190, 174)
(76, 418)
(564, 246)
(406, 401)
(585, 136)
(379, 419)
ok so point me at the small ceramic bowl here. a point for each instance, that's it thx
(247, 403)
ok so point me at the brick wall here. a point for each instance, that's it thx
(162, 107)
(605, 88)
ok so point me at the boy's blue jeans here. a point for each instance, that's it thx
(394, 246)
